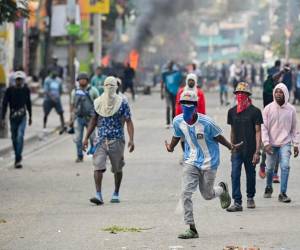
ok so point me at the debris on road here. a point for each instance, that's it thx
(2, 221)
(117, 229)
(240, 248)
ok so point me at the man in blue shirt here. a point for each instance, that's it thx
(111, 112)
(201, 158)
(52, 99)
(171, 80)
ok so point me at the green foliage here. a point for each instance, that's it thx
(278, 39)
(251, 56)
(117, 229)
(9, 12)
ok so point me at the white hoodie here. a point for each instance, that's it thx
(280, 122)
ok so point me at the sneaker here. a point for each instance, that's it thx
(262, 171)
(18, 164)
(167, 126)
(284, 198)
(235, 208)
(225, 198)
(268, 192)
(276, 178)
(188, 234)
(71, 131)
(79, 159)
(96, 201)
(63, 130)
(250, 203)
(115, 199)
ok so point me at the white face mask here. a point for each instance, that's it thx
(111, 91)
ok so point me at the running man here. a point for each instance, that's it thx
(201, 158)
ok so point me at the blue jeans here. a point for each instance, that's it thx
(17, 129)
(237, 160)
(283, 154)
(79, 125)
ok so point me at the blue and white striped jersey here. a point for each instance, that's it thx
(201, 148)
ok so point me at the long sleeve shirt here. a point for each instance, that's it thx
(16, 98)
(280, 125)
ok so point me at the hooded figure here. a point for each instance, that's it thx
(109, 102)
(285, 91)
(191, 86)
(279, 134)
(280, 125)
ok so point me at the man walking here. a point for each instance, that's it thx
(82, 109)
(245, 120)
(18, 99)
(279, 135)
(274, 75)
(52, 99)
(223, 81)
(111, 113)
(171, 80)
(201, 158)
(128, 78)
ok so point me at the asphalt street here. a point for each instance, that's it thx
(46, 205)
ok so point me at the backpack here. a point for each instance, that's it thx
(84, 106)
(269, 85)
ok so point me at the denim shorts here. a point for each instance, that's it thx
(49, 104)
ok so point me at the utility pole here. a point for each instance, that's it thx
(288, 31)
(71, 13)
(48, 33)
(97, 39)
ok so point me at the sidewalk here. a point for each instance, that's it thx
(35, 131)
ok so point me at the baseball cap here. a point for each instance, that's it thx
(188, 97)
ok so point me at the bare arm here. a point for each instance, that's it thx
(161, 89)
(221, 139)
(130, 130)
(277, 76)
(170, 147)
(90, 129)
(258, 138)
(256, 156)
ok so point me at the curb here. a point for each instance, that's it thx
(29, 140)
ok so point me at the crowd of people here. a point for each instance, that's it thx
(99, 106)
(273, 132)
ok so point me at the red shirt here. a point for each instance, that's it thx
(200, 106)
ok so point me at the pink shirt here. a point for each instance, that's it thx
(280, 123)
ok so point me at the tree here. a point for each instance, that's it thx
(278, 39)
(11, 11)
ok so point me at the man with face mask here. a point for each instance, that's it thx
(17, 97)
(190, 84)
(111, 110)
(201, 158)
(279, 135)
(245, 121)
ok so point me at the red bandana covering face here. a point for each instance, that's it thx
(243, 102)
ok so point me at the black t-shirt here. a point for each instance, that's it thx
(243, 125)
